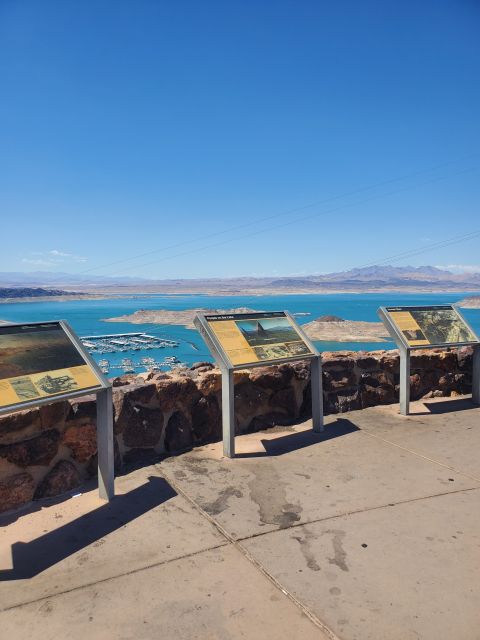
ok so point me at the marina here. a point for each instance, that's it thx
(99, 345)
(127, 365)
(117, 342)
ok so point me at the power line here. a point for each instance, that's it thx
(420, 250)
(297, 220)
(276, 216)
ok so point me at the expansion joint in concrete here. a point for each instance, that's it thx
(419, 455)
(236, 543)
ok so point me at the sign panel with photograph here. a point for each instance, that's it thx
(249, 338)
(40, 360)
(428, 326)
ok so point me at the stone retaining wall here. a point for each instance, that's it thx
(52, 450)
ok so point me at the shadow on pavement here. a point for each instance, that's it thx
(300, 440)
(447, 406)
(31, 558)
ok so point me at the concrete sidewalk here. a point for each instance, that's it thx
(370, 530)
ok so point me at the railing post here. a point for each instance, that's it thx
(317, 394)
(228, 413)
(476, 375)
(404, 381)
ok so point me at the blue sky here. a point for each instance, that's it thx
(136, 127)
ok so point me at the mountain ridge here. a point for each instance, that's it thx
(369, 278)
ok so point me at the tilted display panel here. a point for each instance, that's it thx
(244, 340)
(41, 362)
(428, 326)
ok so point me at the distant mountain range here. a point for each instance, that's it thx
(51, 278)
(374, 278)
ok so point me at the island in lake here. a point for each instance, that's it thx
(335, 329)
(326, 328)
(472, 302)
(183, 317)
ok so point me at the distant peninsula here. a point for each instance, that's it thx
(325, 328)
(472, 302)
(40, 294)
(165, 316)
(335, 329)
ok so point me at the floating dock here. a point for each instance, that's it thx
(117, 342)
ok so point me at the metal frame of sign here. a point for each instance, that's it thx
(103, 392)
(227, 370)
(404, 349)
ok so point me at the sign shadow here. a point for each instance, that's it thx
(31, 558)
(301, 439)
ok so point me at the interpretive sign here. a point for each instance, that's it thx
(40, 361)
(246, 340)
(432, 326)
(427, 327)
(252, 338)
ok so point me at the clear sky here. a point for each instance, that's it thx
(130, 127)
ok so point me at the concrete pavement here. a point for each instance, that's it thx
(370, 530)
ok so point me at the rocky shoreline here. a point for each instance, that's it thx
(472, 302)
(339, 330)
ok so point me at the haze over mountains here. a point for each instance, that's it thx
(373, 278)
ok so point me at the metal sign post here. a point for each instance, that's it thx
(476, 375)
(429, 327)
(404, 380)
(106, 471)
(76, 370)
(317, 393)
(223, 357)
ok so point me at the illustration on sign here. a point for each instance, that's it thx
(434, 325)
(40, 360)
(256, 337)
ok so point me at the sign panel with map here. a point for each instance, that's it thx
(250, 338)
(41, 360)
(428, 326)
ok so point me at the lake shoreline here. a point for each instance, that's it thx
(111, 295)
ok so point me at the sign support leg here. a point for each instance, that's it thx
(317, 394)
(476, 375)
(106, 482)
(404, 381)
(228, 413)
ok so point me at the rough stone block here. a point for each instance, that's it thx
(272, 378)
(37, 451)
(177, 392)
(178, 434)
(143, 427)
(82, 441)
(17, 426)
(62, 478)
(207, 419)
(16, 491)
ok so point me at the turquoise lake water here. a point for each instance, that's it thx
(85, 316)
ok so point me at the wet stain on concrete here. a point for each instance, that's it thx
(195, 465)
(306, 549)
(340, 555)
(221, 503)
(268, 491)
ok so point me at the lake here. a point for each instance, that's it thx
(86, 316)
